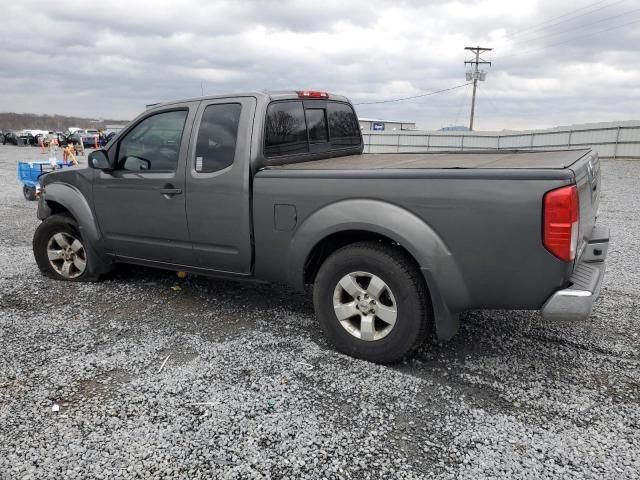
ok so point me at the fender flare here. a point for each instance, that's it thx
(442, 275)
(75, 202)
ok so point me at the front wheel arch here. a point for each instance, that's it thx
(59, 234)
(57, 208)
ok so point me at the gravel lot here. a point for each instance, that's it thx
(252, 390)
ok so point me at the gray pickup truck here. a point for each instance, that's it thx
(275, 187)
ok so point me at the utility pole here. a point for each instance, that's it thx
(475, 75)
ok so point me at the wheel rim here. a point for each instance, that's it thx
(365, 306)
(66, 255)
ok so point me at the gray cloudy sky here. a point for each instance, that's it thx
(109, 59)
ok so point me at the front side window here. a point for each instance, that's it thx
(286, 131)
(217, 137)
(343, 125)
(153, 144)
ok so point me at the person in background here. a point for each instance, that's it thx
(69, 154)
(53, 148)
(52, 139)
(79, 145)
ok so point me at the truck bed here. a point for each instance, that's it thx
(509, 159)
(486, 206)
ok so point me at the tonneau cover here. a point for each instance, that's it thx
(556, 159)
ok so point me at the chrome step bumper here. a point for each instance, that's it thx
(576, 302)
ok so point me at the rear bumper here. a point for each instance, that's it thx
(576, 301)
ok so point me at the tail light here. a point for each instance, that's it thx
(560, 220)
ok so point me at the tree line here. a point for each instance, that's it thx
(58, 123)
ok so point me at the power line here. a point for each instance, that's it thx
(572, 39)
(414, 96)
(561, 16)
(564, 32)
(572, 17)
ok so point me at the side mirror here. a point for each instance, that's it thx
(136, 164)
(99, 160)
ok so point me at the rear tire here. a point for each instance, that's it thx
(372, 302)
(60, 251)
(29, 193)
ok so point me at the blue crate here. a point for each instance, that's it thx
(30, 172)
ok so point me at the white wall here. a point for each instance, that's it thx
(610, 140)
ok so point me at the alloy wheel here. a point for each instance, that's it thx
(365, 306)
(66, 255)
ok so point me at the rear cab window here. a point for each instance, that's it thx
(286, 129)
(299, 127)
(343, 125)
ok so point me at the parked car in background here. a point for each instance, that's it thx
(274, 187)
(106, 138)
(28, 137)
(88, 137)
(44, 138)
(32, 136)
(60, 137)
(9, 137)
(74, 138)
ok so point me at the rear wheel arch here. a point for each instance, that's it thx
(369, 219)
(446, 319)
(329, 244)
(365, 219)
(323, 249)
(348, 221)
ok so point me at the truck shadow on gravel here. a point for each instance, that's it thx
(212, 307)
(492, 352)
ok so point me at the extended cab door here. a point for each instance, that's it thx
(140, 205)
(218, 187)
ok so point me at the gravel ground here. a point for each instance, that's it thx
(250, 388)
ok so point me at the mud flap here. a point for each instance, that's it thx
(446, 322)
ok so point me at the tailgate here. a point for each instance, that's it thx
(587, 175)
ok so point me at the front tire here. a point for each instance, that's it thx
(372, 302)
(60, 251)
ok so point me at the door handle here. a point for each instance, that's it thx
(169, 191)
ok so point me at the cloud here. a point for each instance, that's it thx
(112, 58)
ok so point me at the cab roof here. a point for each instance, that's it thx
(267, 95)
